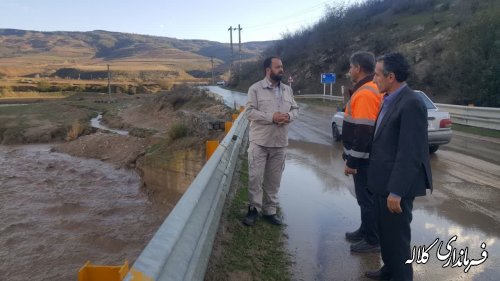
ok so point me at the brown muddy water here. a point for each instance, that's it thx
(319, 206)
(58, 211)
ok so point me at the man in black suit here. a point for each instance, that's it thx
(399, 168)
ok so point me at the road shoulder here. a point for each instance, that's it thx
(246, 253)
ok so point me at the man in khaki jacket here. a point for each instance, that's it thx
(270, 108)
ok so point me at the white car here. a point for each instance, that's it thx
(439, 124)
(221, 83)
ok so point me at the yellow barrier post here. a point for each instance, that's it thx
(211, 147)
(227, 126)
(90, 272)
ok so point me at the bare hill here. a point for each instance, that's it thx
(25, 53)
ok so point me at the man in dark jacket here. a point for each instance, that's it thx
(357, 131)
(399, 168)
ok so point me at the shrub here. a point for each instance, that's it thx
(5, 91)
(177, 131)
(43, 86)
(132, 90)
(166, 84)
(75, 131)
(141, 132)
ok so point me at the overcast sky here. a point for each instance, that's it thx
(184, 19)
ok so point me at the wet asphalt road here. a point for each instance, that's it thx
(319, 206)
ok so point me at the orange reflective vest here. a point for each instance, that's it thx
(359, 122)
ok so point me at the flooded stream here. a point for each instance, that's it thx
(58, 211)
(96, 122)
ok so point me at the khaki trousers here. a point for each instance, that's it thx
(265, 167)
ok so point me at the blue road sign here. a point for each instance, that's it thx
(328, 78)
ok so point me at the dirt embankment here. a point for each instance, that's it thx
(122, 151)
(167, 146)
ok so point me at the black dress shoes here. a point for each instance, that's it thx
(380, 274)
(365, 247)
(273, 219)
(251, 216)
(354, 236)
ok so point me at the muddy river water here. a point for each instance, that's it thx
(58, 211)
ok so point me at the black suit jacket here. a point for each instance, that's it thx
(399, 158)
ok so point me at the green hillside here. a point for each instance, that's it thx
(452, 45)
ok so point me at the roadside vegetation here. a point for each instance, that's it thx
(247, 253)
(453, 47)
(476, 131)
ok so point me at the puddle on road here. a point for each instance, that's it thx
(319, 206)
(59, 211)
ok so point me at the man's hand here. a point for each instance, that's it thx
(285, 119)
(394, 204)
(350, 171)
(281, 118)
(277, 117)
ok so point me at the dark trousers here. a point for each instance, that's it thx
(366, 203)
(395, 237)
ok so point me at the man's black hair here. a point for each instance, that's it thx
(365, 60)
(268, 61)
(397, 64)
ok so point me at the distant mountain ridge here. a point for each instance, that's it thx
(22, 49)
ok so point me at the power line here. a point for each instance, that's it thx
(286, 24)
(302, 12)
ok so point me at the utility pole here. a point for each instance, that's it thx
(239, 39)
(232, 52)
(109, 84)
(213, 76)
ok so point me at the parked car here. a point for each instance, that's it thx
(439, 124)
(221, 83)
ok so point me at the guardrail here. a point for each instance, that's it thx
(335, 98)
(181, 247)
(484, 117)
